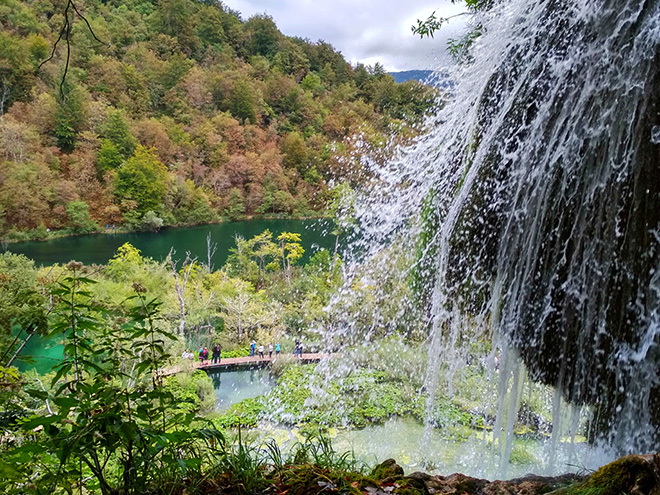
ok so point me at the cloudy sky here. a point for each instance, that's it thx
(366, 31)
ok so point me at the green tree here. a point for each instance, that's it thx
(176, 18)
(108, 157)
(117, 132)
(263, 36)
(152, 222)
(124, 262)
(283, 201)
(143, 179)
(291, 251)
(235, 204)
(112, 426)
(251, 258)
(244, 310)
(312, 82)
(70, 116)
(79, 218)
(242, 102)
(294, 152)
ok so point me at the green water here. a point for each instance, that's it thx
(101, 247)
(234, 386)
(436, 451)
(42, 354)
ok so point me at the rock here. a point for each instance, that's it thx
(633, 474)
(459, 484)
(387, 469)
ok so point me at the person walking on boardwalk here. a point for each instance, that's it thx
(217, 352)
(270, 350)
(261, 351)
(277, 349)
(253, 347)
(206, 355)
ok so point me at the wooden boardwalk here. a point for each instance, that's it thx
(246, 362)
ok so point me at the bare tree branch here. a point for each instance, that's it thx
(65, 33)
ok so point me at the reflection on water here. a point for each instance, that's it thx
(234, 386)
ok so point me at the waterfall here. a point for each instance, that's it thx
(530, 208)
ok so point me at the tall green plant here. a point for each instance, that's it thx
(112, 428)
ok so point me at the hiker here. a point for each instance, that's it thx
(206, 355)
(201, 355)
(270, 351)
(253, 347)
(217, 353)
(277, 349)
(261, 351)
(187, 354)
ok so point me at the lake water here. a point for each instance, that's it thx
(439, 451)
(100, 248)
(234, 386)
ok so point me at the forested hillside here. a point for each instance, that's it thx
(177, 112)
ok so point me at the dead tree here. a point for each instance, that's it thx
(211, 248)
(180, 282)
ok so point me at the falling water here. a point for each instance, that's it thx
(529, 213)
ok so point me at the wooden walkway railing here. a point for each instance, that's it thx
(239, 363)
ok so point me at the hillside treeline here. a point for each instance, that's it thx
(178, 112)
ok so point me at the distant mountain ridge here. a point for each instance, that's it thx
(428, 77)
(411, 75)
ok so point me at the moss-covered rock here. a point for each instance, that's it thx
(388, 469)
(633, 474)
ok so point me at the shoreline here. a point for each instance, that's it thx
(120, 230)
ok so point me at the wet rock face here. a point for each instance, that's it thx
(557, 230)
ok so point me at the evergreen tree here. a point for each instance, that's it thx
(70, 116)
(117, 132)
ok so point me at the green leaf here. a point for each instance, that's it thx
(37, 394)
(40, 421)
(66, 402)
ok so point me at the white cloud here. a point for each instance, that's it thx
(366, 31)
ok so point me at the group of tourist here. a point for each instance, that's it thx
(203, 354)
(254, 349)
